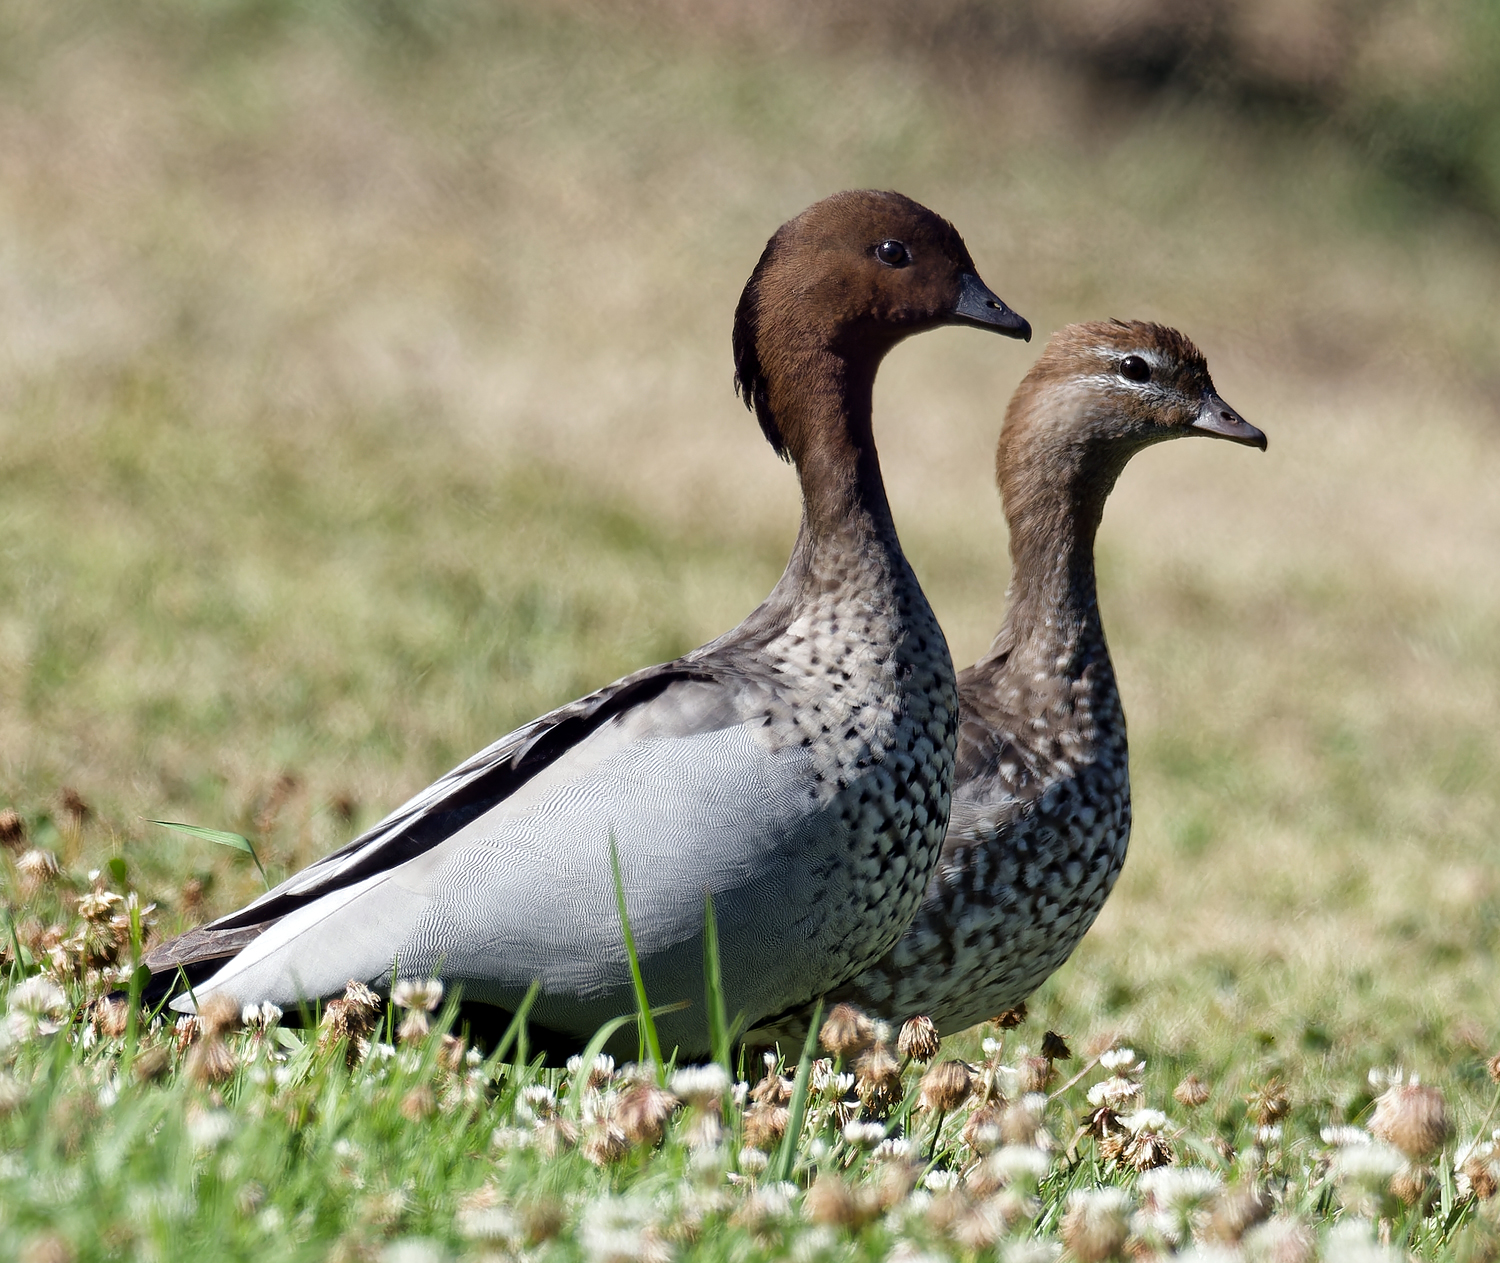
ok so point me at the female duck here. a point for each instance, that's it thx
(1041, 795)
(798, 768)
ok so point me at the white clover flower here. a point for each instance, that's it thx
(704, 1133)
(1120, 1059)
(1268, 1135)
(1279, 1238)
(1007, 1079)
(506, 1139)
(829, 1084)
(1469, 1148)
(1096, 1222)
(422, 995)
(1019, 1163)
(775, 1200)
(208, 1129)
(1034, 1104)
(992, 1046)
(12, 1094)
(413, 1250)
(260, 1016)
(36, 1007)
(754, 1161)
(864, 1135)
(38, 997)
(817, 1241)
(894, 1147)
(909, 1252)
(601, 1071)
(1353, 1241)
(1145, 1120)
(940, 1181)
(1031, 1250)
(96, 904)
(702, 1086)
(618, 1230)
(1179, 1187)
(1206, 1253)
(1383, 1077)
(1372, 1165)
(1115, 1092)
(1341, 1136)
(536, 1101)
(488, 1223)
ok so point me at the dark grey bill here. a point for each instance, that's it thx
(1218, 419)
(978, 306)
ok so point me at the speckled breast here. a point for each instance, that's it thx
(870, 692)
(1037, 838)
(1010, 902)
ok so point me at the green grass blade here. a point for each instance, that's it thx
(235, 840)
(721, 1031)
(591, 1050)
(647, 1023)
(16, 965)
(713, 988)
(513, 1031)
(139, 976)
(796, 1110)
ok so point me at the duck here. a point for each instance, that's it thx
(796, 770)
(1040, 817)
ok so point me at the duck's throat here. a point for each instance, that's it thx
(829, 436)
(1052, 626)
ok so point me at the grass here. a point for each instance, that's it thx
(358, 405)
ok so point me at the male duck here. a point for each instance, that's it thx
(797, 768)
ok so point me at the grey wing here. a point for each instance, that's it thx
(426, 819)
(696, 799)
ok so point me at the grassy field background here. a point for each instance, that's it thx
(365, 391)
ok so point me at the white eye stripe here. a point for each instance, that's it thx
(1116, 380)
(1154, 358)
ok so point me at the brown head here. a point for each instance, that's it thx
(834, 290)
(1100, 393)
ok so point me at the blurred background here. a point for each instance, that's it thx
(365, 390)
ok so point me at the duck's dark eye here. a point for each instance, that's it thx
(1135, 368)
(892, 254)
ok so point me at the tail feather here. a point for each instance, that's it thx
(197, 955)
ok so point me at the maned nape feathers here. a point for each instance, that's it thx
(797, 769)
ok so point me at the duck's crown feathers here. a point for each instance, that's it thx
(1169, 347)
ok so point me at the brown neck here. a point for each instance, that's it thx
(1053, 507)
(823, 407)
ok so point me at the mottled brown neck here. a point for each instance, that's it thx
(1054, 500)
